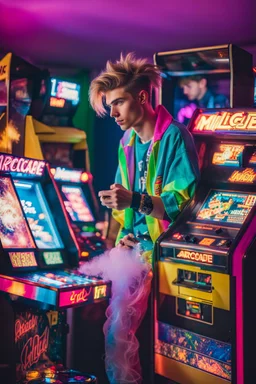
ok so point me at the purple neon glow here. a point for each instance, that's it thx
(237, 272)
(56, 29)
(186, 112)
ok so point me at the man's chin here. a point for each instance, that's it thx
(124, 127)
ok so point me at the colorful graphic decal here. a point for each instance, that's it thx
(229, 155)
(38, 340)
(248, 175)
(8, 132)
(253, 159)
(19, 105)
(14, 231)
(226, 207)
(23, 259)
(197, 351)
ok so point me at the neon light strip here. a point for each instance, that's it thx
(23, 185)
(237, 271)
(28, 291)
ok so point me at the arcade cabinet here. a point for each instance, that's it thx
(225, 69)
(67, 147)
(17, 82)
(67, 152)
(55, 139)
(73, 185)
(37, 284)
(206, 261)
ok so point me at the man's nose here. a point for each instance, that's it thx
(114, 112)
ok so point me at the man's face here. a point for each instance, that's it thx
(124, 108)
(193, 90)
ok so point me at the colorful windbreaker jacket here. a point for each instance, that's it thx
(173, 172)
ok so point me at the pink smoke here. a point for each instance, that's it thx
(131, 283)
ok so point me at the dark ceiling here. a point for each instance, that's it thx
(85, 33)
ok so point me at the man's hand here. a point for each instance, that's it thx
(128, 241)
(117, 197)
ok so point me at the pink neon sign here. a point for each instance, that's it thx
(10, 163)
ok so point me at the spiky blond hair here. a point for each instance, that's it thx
(128, 72)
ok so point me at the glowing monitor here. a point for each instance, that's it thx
(38, 215)
(226, 207)
(76, 204)
(14, 230)
(65, 90)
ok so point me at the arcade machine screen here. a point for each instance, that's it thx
(75, 189)
(180, 100)
(76, 204)
(38, 214)
(14, 229)
(207, 260)
(60, 108)
(184, 74)
(62, 104)
(226, 207)
(37, 252)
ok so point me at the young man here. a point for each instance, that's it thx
(158, 168)
(196, 89)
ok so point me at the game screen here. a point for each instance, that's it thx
(181, 95)
(61, 105)
(65, 90)
(14, 230)
(76, 204)
(226, 207)
(195, 79)
(38, 215)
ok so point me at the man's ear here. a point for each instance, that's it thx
(143, 97)
(203, 83)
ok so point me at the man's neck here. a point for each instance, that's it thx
(145, 129)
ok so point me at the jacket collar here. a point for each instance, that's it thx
(163, 121)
